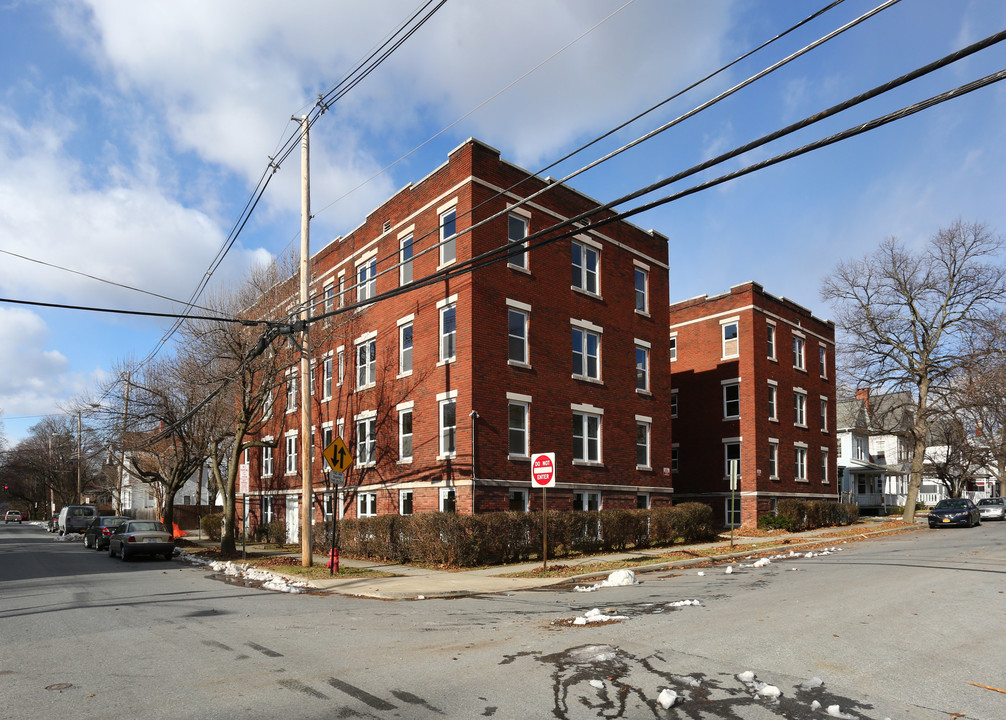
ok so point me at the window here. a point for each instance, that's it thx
(267, 404)
(801, 463)
(517, 336)
(342, 365)
(674, 457)
(731, 401)
(585, 265)
(366, 364)
(731, 454)
(267, 511)
(642, 368)
(405, 259)
(448, 500)
(313, 380)
(773, 459)
(517, 414)
(342, 290)
(448, 241)
(770, 340)
(674, 347)
(366, 438)
(822, 356)
(674, 403)
(291, 454)
(366, 504)
(405, 502)
(824, 466)
(731, 346)
(329, 293)
(366, 280)
(405, 348)
(642, 501)
(587, 501)
(586, 437)
(405, 435)
(267, 459)
(586, 354)
(326, 435)
(641, 279)
(326, 377)
(800, 409)
(517, 501)
(328, 501)
(448, 427)
(732, 507)
(824, 414)
(291, 391)
(448, 333)
(516, 232)
(773, 395)
(642, 443)
(798, 346)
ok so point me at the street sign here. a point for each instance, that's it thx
(244, 478)
(337, 455)
(337, 478)
(543, 470)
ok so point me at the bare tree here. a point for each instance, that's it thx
(908, 319)
(954, 457)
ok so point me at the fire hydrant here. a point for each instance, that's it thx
(333, 562)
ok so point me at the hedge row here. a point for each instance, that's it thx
(452, 540)
(800, 515)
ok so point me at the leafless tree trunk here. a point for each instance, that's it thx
(908, 318)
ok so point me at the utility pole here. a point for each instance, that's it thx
(306, 502)
(122, 447)
(79, 497)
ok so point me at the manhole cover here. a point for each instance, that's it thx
(59, 686)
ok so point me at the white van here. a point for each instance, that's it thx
(76, 518)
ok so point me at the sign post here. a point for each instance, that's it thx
(244, 480)
(338, 458)
(543, 476)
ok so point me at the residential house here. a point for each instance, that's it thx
(753, 388)
(446, 352)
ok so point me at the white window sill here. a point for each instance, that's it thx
(519, 458)
(645, 468)
(644, 392)
(826, 482)
(448, 361)
(407, 373)
(517, 363)
(729, 357)
(447, 263)
(263, 477)
(289, 473)
(773, 477)
(731, 418)
(588, 463)
(361, 388)
(449, 456)
(586, 293)
(800, 425)
(772, 358)
(584, 378)
(644, 313)
(366, 465)
(801, 480)
(674, 416)
(519, 269)
(803, 370)
(773, 419)
(326, 398)
(406, 461)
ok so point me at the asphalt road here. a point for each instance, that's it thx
(895, 628)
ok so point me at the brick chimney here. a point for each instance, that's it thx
(864, 395)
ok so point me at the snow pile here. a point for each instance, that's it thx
(814, 682)
(599, 684)
(684, 603)
(70, 537)
(730, 569)
(701, 574)
(836, 711)
(270, 581)
(668, 698)
(596, 616)
(758, 688)
(619, 578)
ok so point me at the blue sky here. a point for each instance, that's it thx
(131, 136)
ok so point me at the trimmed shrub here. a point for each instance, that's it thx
(274, 532)
(211, 525)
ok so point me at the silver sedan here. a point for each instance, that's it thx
(992, 508)
(141, 537)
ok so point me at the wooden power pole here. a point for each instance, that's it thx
(306, 502)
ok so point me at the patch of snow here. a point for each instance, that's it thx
(619, 578)
(836, 711)
(270, 581)
(597, 684)
(596, 616)
(668, 698)
(768, 691)
(701, 574)
(683, 603)
(815, 705)
(746, 677)
(70, 537)
(593, 654)
(814, 682)
(730, 569)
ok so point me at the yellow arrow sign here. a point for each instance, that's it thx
(337, 455)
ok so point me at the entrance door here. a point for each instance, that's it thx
(292, 519)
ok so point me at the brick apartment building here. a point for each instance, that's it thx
(753, 380)
(443, 391)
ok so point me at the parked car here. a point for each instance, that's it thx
(52, 525)
(141, 537)
(76, 518)
(12, 516)
(992, 508)
(97, 533)
(955, 511)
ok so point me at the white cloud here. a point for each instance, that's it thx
(31, 376)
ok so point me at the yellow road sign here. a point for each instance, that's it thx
(337, 455)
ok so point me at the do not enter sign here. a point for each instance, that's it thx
(543, 470)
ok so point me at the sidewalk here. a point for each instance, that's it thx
(413, 583)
